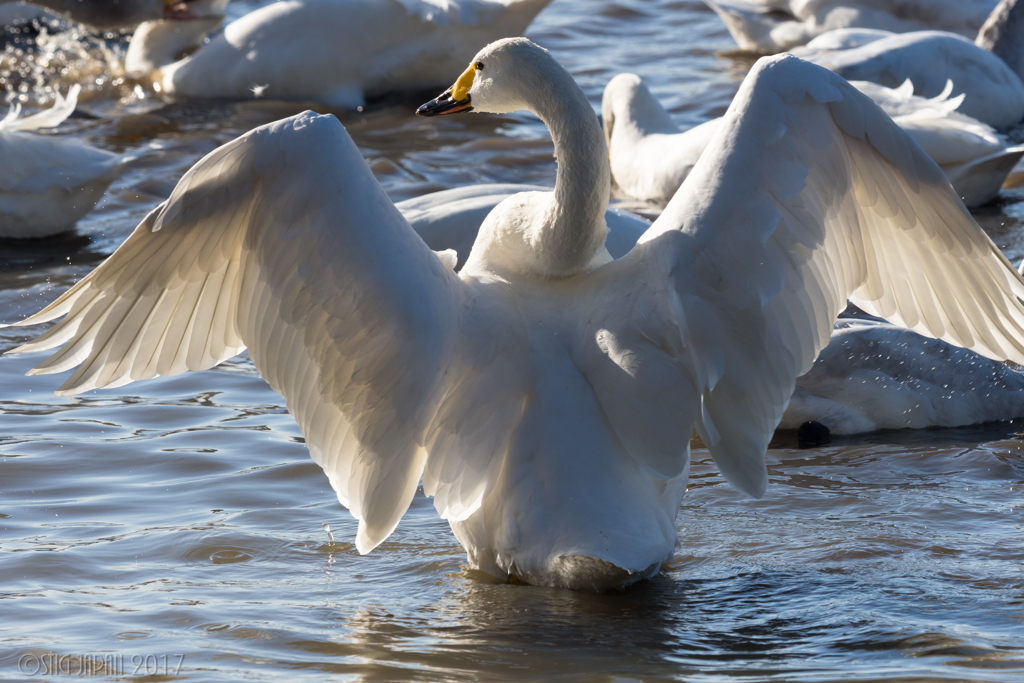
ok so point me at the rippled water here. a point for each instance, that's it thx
(173, 527)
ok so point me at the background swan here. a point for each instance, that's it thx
(104, 15)
(48, 182)
(546, 393)
(650, 156)
(337, 52)
(994, 93)
(770, 26)
(870, 376)
(873, 375)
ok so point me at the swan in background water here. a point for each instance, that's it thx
(48, 182)
(650, 156)
(770, 26)
(873, 375)
(336, 52)
(870, 376)
(988, 73)
(103, 15)
(545, 394)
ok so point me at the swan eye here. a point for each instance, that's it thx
(479, 66)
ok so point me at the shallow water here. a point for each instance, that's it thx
(173, 527)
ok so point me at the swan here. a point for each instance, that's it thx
(770, 26)
(103, 15)
(650, 156)
(545, 393)
(994, 92)
(47, 182)
(871, 376)
(336, 52)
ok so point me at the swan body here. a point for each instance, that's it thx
(47, 183)
(872, 375)
(770, 26)
(545, 394)
(650, 156)
(337, 52)
(994, 93)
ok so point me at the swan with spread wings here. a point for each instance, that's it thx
(545, 394)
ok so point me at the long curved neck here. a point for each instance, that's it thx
(1003, 34)
(576, 229)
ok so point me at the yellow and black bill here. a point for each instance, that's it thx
(453, 100)
(445, 103)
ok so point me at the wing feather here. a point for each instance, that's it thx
(810, 195)
(282, 242)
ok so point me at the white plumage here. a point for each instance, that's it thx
(651, 156)
(451, 219)
(337, 52)
(872, 375)
(993, 92)
(770, 26)
(48, 182)
(545, 393)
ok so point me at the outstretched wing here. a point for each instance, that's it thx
(282, 241)
(810, 195)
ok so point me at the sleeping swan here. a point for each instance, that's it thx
(545, 393)
(336, 52)
(651, 156)
(987, 72)
(48, 182)
(770, 26)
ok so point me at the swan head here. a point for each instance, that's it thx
(558, 233)
(508, 75)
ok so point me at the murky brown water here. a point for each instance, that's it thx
(178, 521)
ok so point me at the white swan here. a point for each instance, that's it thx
(545, 393)
(770, 26)
(994, 93)
(48, 182)
(337, 52)
(104, 15)
(872, 375)
(650, 156)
